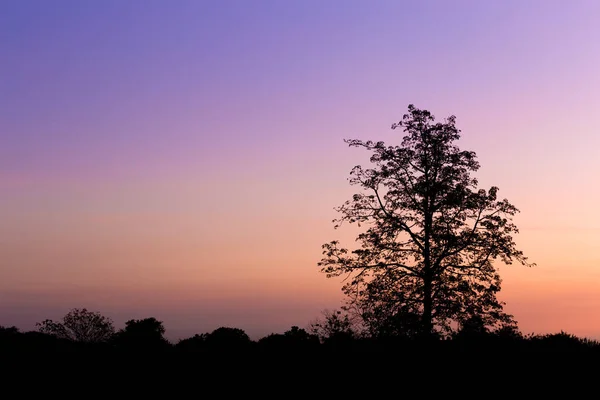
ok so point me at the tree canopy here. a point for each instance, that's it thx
(142, 334)
(80, 325)
(425, 260)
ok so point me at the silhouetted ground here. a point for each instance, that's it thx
(474, 367)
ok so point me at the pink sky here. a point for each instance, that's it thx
(183, 160)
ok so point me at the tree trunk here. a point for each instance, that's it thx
(427, 322)
(427, 307)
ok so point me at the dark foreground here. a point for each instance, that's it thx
(469, 368)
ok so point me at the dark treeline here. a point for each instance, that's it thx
(84, 350)
(87, 332)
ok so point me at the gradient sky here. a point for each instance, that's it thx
(181, 159)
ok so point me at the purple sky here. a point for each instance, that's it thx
(181, 159)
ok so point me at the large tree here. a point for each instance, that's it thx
(426, 257)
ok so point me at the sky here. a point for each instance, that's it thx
(182, 159)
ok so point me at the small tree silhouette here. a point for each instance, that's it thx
(80, 325)
(226, 338)
(334, 327)
(144, 334)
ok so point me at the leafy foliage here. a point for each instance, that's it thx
(426, 259)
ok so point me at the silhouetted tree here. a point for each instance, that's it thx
(9, 337)
(299, 335)
(147, 333)
(80, 325)
(381, 323)
(192, 344)
(9, 331)
(225, 338)
(294, 339)
(473, 327)
(334, 326)
(563, 341)
(508, 331)
(432, 236)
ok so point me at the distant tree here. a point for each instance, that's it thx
(227, 338)
(508, 332)
(300, 335)
(562, 341)
(294, 339)
(147, 333)
(9, 331)
(431, 235)
(335, 326)
(80, 325)
(9, 337)
(194, 343)
(273, 341)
